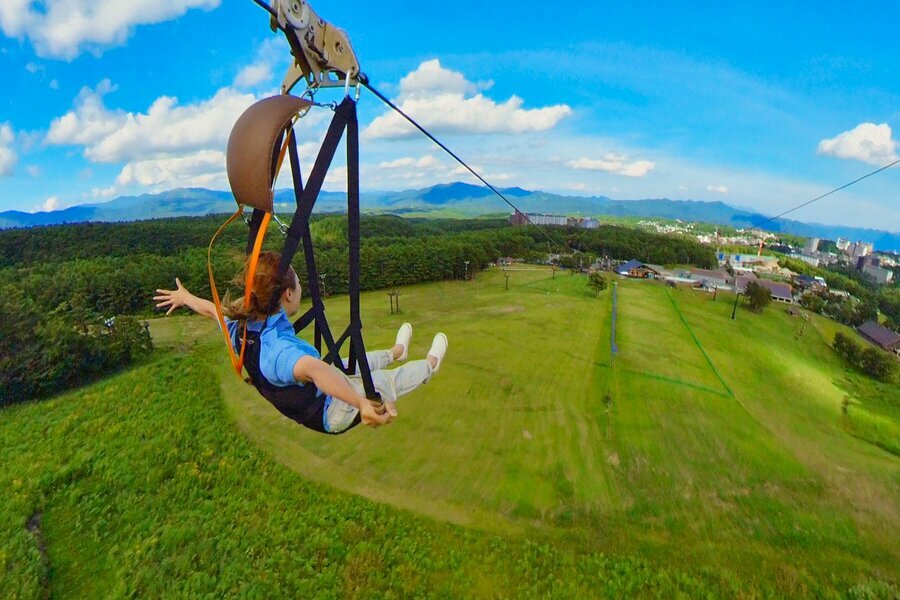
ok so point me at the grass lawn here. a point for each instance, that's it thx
(722, 445)
(722, 452)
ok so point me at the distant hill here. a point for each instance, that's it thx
(462, 199)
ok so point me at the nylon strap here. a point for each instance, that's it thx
(236, 363)
(237, 360)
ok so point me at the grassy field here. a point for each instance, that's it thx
(724, 443)
(734, 457)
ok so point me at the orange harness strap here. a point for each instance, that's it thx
(237, 361)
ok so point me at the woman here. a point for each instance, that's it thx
(289, 372)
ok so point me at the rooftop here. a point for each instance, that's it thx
(882, 336)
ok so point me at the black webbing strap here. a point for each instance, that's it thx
(357, 346)
(255, 222)
(317, 311)
(306, 196)
(310, 193)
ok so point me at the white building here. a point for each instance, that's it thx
(860, 249)
(881, 276)
(810, 260)
(812, 246)
(842, 244)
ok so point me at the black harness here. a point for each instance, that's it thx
(298, 233)
(304, 404)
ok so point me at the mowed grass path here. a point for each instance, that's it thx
(527, 429)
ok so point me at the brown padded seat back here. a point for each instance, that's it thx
(253, 149)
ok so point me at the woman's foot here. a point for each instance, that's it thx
(438, 350)
(401, 347)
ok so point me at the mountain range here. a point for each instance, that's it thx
(458, 199)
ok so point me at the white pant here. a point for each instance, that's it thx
(390, 383)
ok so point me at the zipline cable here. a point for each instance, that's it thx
(266, 8)
(817, 198)
(427, 134)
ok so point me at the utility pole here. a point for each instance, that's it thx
(553, 268)
(803, 327)
(734, 310)
(507, 279)
(715, 293)
(322, 278)
(467, 269)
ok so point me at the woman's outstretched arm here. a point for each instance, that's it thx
(182, 297)
(329, 381)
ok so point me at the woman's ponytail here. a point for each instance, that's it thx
(267, 289)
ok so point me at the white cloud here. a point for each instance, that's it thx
(202, 168)
(614, 163)
(442, 101)
(33, 170)
(867, 142)
(717, 189)
(252, 75)
(54, 84)
(89, 121)
(8, 157)
(108, 192)
(166, 128)
(65, 28)
(426, 162)
(51, 203)
(33, 67)
(431, 78)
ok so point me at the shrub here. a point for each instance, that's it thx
(758, 297)
(597, 282)
(871, 361)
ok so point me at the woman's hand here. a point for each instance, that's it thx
(370, 416)
(173, 298)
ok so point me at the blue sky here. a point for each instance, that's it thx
(761, 106)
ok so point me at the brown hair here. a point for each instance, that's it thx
(267, 289)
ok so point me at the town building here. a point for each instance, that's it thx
(812, 246)
(780, 292)
(880, 336)
(712, 279)
(867, 261)
(810, 260)
(812, 284)
(518, 219)
(881, 276)
(859, 249)
(637, 270)
(747, 261)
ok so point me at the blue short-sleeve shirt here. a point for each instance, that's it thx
(280, 348)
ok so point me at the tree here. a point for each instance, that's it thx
(597, 282)
(758, 297)
(877, 364)
(847, 348)
(813, 302)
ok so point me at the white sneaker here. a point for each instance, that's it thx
(404, 335)
(438, 350)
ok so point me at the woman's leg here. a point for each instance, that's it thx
(380, 359)
(339, 416)
(377, 359)
(393, 383)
